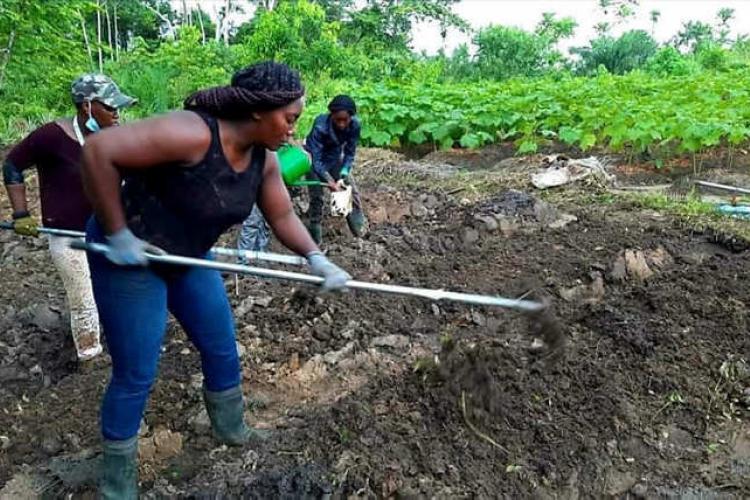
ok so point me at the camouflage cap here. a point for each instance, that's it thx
(98, 87)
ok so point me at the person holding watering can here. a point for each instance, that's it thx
(188, 177)
(55, 150)
(333, 144)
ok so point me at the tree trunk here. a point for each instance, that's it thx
(99, 34)
(203, 28)
(226, 21)
(219, 24)
(86, 40)
(109, 32)
(185, 15)
(165, 19)
(6, 56)
(117, 33)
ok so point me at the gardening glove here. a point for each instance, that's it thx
(335, 277)
(125, 249)
(345, 175)
(24, 224)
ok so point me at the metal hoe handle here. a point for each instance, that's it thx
(426, 293)
(294, 260)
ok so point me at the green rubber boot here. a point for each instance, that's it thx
(316, 231)
(226, 409)
(357, 223)
(119, 476)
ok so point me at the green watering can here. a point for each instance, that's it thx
(295, 165)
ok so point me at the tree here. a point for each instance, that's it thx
(692, 35)
(620, 11)
(460, 64)
(297, 33)
(225, 11)
(388, 23)
(602, 28)
(40, 41)
(146, 19)
(724, 16)
(669, 62)
(335, 10)
(200, 19)
(506, 51)
(654, 15)
(551, 30)
(630, 51)
(555, 29)
(266, 4)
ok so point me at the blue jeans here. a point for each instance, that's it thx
(133, 304)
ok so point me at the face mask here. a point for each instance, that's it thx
(91, 123)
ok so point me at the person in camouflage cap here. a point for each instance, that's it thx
(100, 98)
(55, 150)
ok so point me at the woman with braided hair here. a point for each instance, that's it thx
(188, 176)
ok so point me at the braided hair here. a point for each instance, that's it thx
(260, 87)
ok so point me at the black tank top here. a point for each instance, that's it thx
(185, 209)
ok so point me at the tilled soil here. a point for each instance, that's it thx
(383, 396)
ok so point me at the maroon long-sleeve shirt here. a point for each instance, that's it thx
(57, 158)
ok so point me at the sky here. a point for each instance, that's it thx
(527, 13)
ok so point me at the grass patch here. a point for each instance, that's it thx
(687, 206)
(694, 212)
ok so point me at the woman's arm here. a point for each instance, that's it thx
(24, 155)
(350, 149)
(278, 210)
(314, 145)
(180, 137)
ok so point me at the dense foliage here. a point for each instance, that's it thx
(638, 111)
(622, 91)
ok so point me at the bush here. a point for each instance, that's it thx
(669, 62)
(712, 57)
(619, 55)
(504, 52)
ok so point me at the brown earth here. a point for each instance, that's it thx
(381, 396)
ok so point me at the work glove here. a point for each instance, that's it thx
(335, 277)
(125, 249)
(24, 224)
(345, 175)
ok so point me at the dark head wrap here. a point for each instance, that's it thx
(343, 103)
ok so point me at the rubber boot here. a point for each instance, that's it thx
(226, 409)
(316, 231)
(119, 475)
(356, 221)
